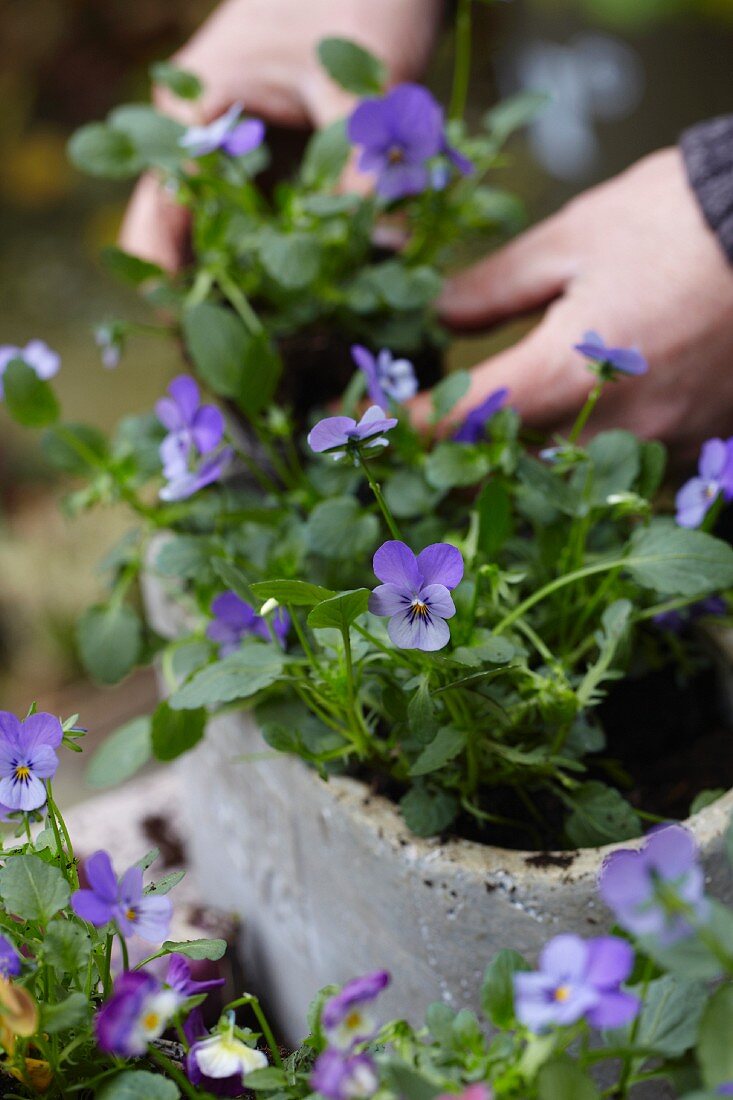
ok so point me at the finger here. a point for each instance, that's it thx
(546, 379)
(524, 275)
(155, 227)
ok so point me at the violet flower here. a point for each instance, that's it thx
(226, 133)
(234, 618)
(676, 621)
(611, 361)
(221, 1063)
(473, 428)
(646, 889)
(179, 978)
(27, 757)
(344, 433)
(195, 431)
(109, 340)
(138, 1011)
(345, 1017)
(122, 901)
(385, 376)
(9, 959)
(36, 354)
(399, 133)
(577, 979)
(339, 1076)
(715, 479)
(416, 593)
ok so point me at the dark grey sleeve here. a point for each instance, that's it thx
(708, 152)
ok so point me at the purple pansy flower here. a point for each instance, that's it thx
(36, 354)
(122, 901)
(234, 618)
(577, 979)
(180, 979)
(9, 959)
(339, 1076)
(345, 432)
(676, 621)
(385, 376)
(715, 478)
(27, 757)
(226, 133)
(399, 133)
(221, 1063)
(195, 431)
(138, 1011)
(345, 1018)
(725, 1089)
(473, 428)
(610, 360)
(636, 885)
(416, 593)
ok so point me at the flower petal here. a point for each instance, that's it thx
(671, 851)
(410, 631)
(693, 502)
(388, 599)
(154, 918)
(207, 428)
(101, 876)
(565, 957)
(43, 762)
(332, 431)
(713, 459)
(185, 392)
(41, 729)
(439, 600)
(245, 137)
(614, 1009)
(91, 907)
(394, 563)
(610, 961)
(441, 563)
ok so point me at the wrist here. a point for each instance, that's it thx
(707, 150)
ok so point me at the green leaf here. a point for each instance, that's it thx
(728, 839)
(706, 798)
(428, 812)
(714, 1046)
(166, 884)
(29, 399)
(341, 530)
(340, 611)
(562, 1079)
(266, 1080)
(100, 150)
(600, 815)
(448, 392)
(446, 745)
(497, 989)
(421, 713)
(217, 342)
(408, 496)
(494, 509)
(196, 949)
(128, 268)
(670, 1016)
(233, 578)
(456, 465)
(77, 449)
(293, 593)
(406, 288)
(32, 889)
(185, 557)
(238, 676)
(326, 155)
(175, 732)
(183, 84)
(616, 463)
(351, 66)
(110, 641)
(66, 947)
(121, 754)
(653, 464)
(189, 657)
(513, 114)
(133, 1084)
(293, 260)
(675, 561)
(66, 1014)
(407, 1083)
(155, 137)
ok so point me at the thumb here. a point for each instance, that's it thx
(522, 276)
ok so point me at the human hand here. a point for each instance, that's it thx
(634, 260)
(262, 53)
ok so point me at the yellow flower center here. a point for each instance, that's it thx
(420, 610)
(151, 1021)
(131, 914)
(22, 772)
(562, 993)
(396, 155)
(353, 1020)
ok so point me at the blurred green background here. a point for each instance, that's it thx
(625, 76)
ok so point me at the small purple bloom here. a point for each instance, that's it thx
(138, 1011)
(386, 376)
(344, 432)
(676, 621)
(344, 1018)
(473, 428)
(122, 901)
(715, 478)
(610, 360)
(725, 1089)
(577, 979)
(27, 757)
(639, 885)
(36, 354)
(194, 433)
(416, 593)
(399, 133)
(339, 1076)
(234, 618)
(9, 959)
(226, 133)
(179, 978)
(109, 340)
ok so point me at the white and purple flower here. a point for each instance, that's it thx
(416, 593)
(36, 354)
(191, 453)
(657, 890)
(610, 360)
(227, 133)
(577, 979)
(386, 377)
(222, 1062)
(138, 1011)
(27, 758)
(473, 428)
(234, 618)
(340, 1076)
(337, 435)
(122, 901)
(714, 480)
(345, 1017)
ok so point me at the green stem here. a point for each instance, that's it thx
(553, 586)
(585, 412)
(361, 741)
(175, 1074)
(251, 1000)
(123, 949)
(462, 66)
(373, 485)
(240, 303)
(57, 821)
